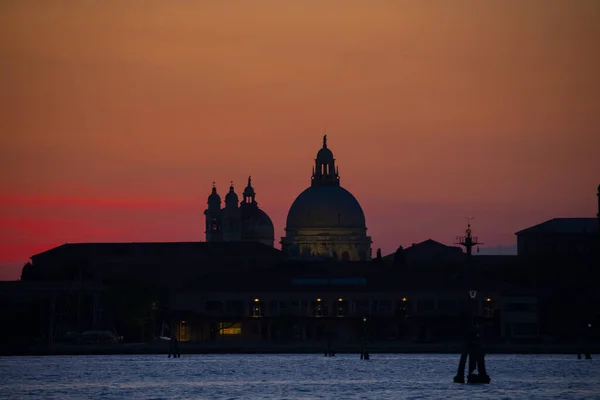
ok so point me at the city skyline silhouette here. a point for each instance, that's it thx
(117, 118)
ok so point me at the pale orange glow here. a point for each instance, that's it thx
(117, 116)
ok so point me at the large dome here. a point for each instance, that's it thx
(325, 221)
(325, 207)
(258, 223)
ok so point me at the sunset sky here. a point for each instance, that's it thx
(116, 116)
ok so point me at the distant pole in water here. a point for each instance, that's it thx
(364, 353)
(329, 351)
(51, 321)
(585, 346)
(173, 346)
(473, 348)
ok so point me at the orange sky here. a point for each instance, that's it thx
(116, 116)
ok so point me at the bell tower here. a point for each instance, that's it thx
(232, 224)
(213, 217)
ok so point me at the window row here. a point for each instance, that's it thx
(339, 307)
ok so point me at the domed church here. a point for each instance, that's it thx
(326, 220)
(246, 223)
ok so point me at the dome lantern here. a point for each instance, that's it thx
(249, 194)
(325, 172)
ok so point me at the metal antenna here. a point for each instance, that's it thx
(468, 241)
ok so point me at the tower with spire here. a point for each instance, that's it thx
(213, 217)
(231, 217)
(249, 195)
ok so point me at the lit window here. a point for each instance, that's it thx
(257, 309)
(341, 308)
(183, 331)
(319, 311)
(228, 328)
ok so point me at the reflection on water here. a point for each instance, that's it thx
(385, 376)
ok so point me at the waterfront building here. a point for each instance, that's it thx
(323, 284)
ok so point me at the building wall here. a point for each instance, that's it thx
(320, 243)
(519, 317)
(312, 316)
(555, 244)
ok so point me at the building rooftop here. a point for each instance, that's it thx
(563, 225)
(125, 249)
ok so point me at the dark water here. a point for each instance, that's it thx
(385, 376)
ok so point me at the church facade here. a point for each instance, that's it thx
(237, 221)
(326, 221)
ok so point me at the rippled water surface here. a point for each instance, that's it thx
(385, 376)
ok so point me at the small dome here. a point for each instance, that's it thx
(214, 197)
(325, 207)
(325, 155)
(231, 197)
(249, 191)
